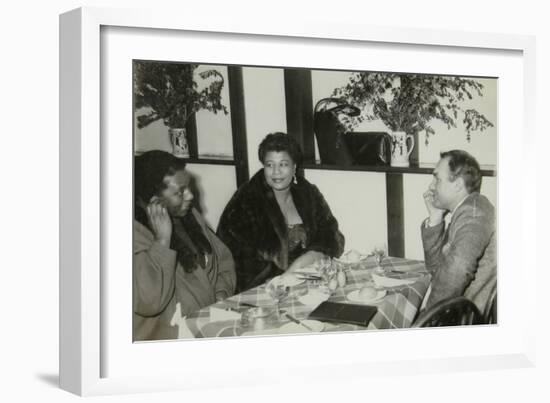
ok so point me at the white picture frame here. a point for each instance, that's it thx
(83, 177)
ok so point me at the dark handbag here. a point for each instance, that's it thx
(369, 148)
(338, 147)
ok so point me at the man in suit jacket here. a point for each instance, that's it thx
(462, 257)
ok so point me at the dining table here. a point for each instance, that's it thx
(397, 309)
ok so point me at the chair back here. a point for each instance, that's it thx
(456, 311)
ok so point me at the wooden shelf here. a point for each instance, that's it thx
(210, 161)
(486, 170)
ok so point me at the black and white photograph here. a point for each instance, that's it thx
(239, 201)
(282, 200)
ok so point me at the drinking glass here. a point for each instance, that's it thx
(328, 276)
(277, 291)
(379, 252)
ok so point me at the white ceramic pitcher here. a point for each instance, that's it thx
(178, 138)
(400, 149)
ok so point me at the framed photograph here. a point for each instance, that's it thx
(251, 79)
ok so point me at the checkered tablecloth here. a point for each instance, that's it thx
(397, 310)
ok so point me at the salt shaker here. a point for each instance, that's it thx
(341, 277)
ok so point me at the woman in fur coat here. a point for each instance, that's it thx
(278, 221)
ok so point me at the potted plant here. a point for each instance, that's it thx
(170, 92)
(408, 103)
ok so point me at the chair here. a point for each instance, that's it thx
(490, 314)
(456, 311)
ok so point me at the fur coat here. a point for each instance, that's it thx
(253, 227)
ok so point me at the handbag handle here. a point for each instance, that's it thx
(341, 106)
(409, 151)
(383, 145)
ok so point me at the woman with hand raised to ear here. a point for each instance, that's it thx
(177, 258)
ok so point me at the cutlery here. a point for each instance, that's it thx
(292, 318)
(405, 272)
(248, 305)
(308, 277)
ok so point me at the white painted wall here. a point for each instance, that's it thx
(358, 201)
(216, 185)
(264, 100)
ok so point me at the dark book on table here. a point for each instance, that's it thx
(344, 313)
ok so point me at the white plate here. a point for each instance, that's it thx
(351, 257)
(354, 297)
(292, 327)
(385, 281)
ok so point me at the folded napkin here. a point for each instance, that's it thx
(308, 270)
(218, 314)
(314, 298)
(389, 280)
(180, 321)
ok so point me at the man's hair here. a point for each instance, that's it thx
(150, 169)
(463, 165)
(280, 142)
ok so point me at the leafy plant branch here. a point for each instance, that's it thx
(171, 92)
(410, 102)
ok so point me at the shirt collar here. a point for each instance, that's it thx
(458, 205)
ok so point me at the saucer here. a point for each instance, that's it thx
(354, 297)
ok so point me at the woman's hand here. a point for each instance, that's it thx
(160, 221)
(306, 259)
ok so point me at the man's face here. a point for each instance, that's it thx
(445, 192)
(177, 196)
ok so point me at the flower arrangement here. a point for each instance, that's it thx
(172, 94)
(409, 102)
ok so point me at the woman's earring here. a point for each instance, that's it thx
(295, 181)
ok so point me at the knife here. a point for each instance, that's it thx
(248, 305)
(292, 318)
(308, 277)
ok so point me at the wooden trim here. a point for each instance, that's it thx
(423, 169)
(191, 131)
(209, 161)
(299, 109)
(395, 214)
(238, 123)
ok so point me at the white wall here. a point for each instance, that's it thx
(358, 201)
(216, 184)
(264, 100)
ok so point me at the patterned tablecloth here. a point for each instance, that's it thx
(396, 310)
